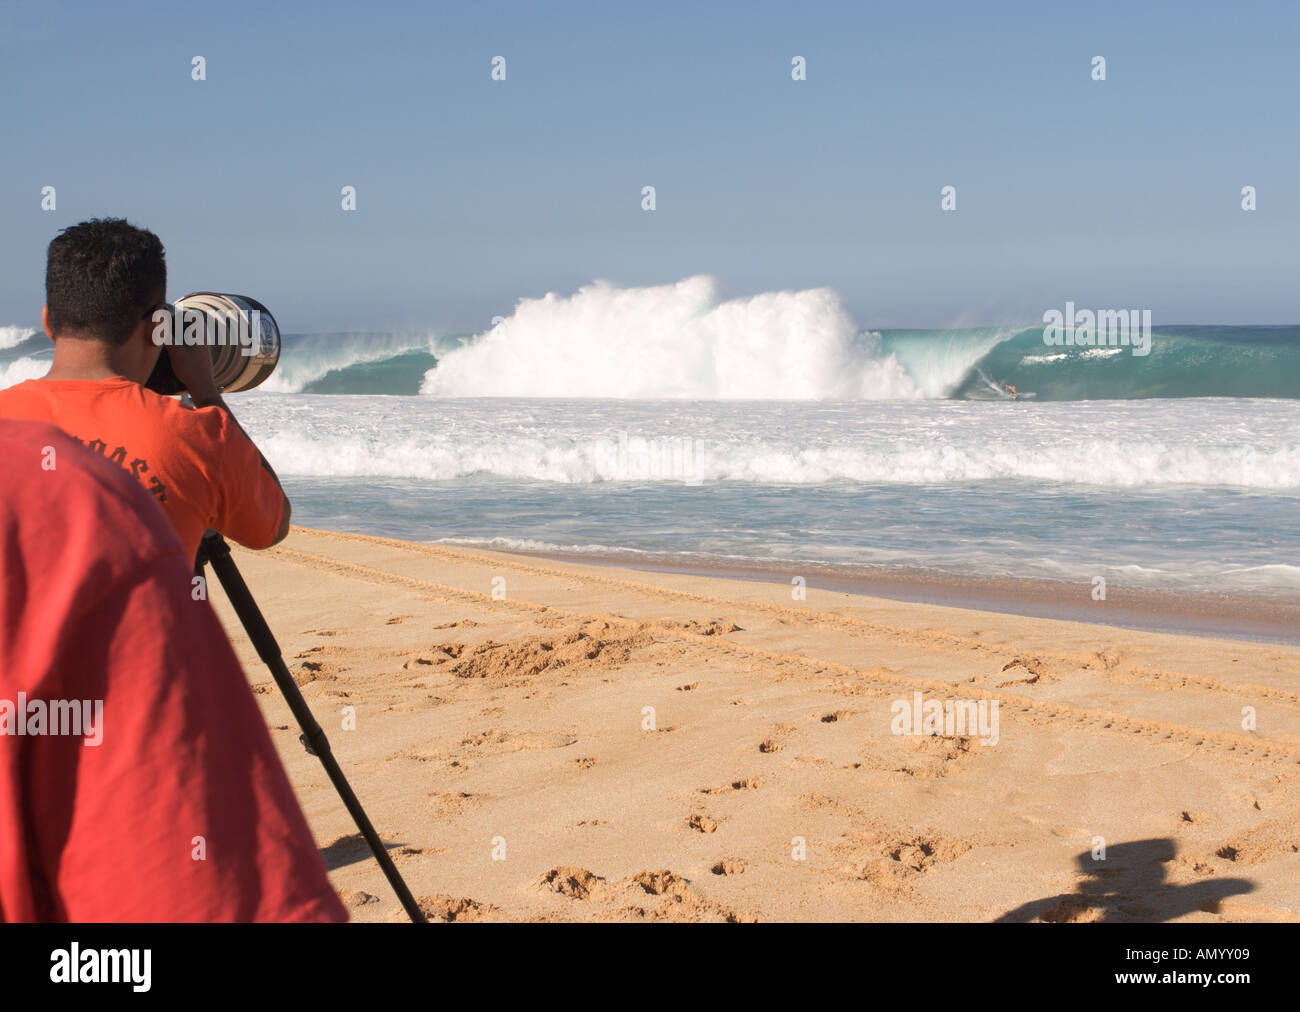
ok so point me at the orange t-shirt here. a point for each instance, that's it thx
(196, 463)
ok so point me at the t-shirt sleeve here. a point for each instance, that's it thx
(249, 503)
(183, 811)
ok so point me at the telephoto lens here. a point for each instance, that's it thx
(240, 333)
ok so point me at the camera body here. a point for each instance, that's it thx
(239, 332)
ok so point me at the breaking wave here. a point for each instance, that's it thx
(682, 342)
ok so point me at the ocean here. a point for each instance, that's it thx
(664, 427)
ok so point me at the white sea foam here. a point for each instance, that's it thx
(1159, 493)
(1102, 352)
(11, 337)
(674, 341)
(24, 367)
(20, 369)
(1122, 444)
(502, 544)
(1277, 574)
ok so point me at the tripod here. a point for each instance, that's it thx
(215, 550)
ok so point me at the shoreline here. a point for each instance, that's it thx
(1261, 619)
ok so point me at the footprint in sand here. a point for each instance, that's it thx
(577, 883)
(1036, 672)
(439, 653)
(452, 908)
(1273, 839)
(454, 802)
(775, 740)
(892, 861)
(744, 784)
(316, 671)
(663, 883)
(504, 741)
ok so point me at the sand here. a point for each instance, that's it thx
(552, 741)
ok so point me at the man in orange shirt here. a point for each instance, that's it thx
(104, 279)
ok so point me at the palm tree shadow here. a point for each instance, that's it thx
(1129, 884)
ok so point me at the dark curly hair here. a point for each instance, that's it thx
(101, 278)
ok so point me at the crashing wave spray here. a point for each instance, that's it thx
(674, 341)
(11, 337)
(16, 361)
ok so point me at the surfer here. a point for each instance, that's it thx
(1011, 390)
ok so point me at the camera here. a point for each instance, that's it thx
(240, 333)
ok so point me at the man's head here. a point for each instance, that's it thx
(103, 279)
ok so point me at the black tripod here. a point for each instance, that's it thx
(215, 550)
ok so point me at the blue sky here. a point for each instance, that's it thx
(473, 193)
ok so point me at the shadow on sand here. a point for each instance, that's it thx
(1129, 885)
(349, 850)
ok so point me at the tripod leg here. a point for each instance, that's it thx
(218, 553)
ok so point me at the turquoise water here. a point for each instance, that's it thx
(1191, 361)
(961, 364)
(1176, 470)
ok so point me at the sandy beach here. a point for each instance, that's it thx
(548, 740)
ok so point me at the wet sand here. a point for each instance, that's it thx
(1264, 618)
